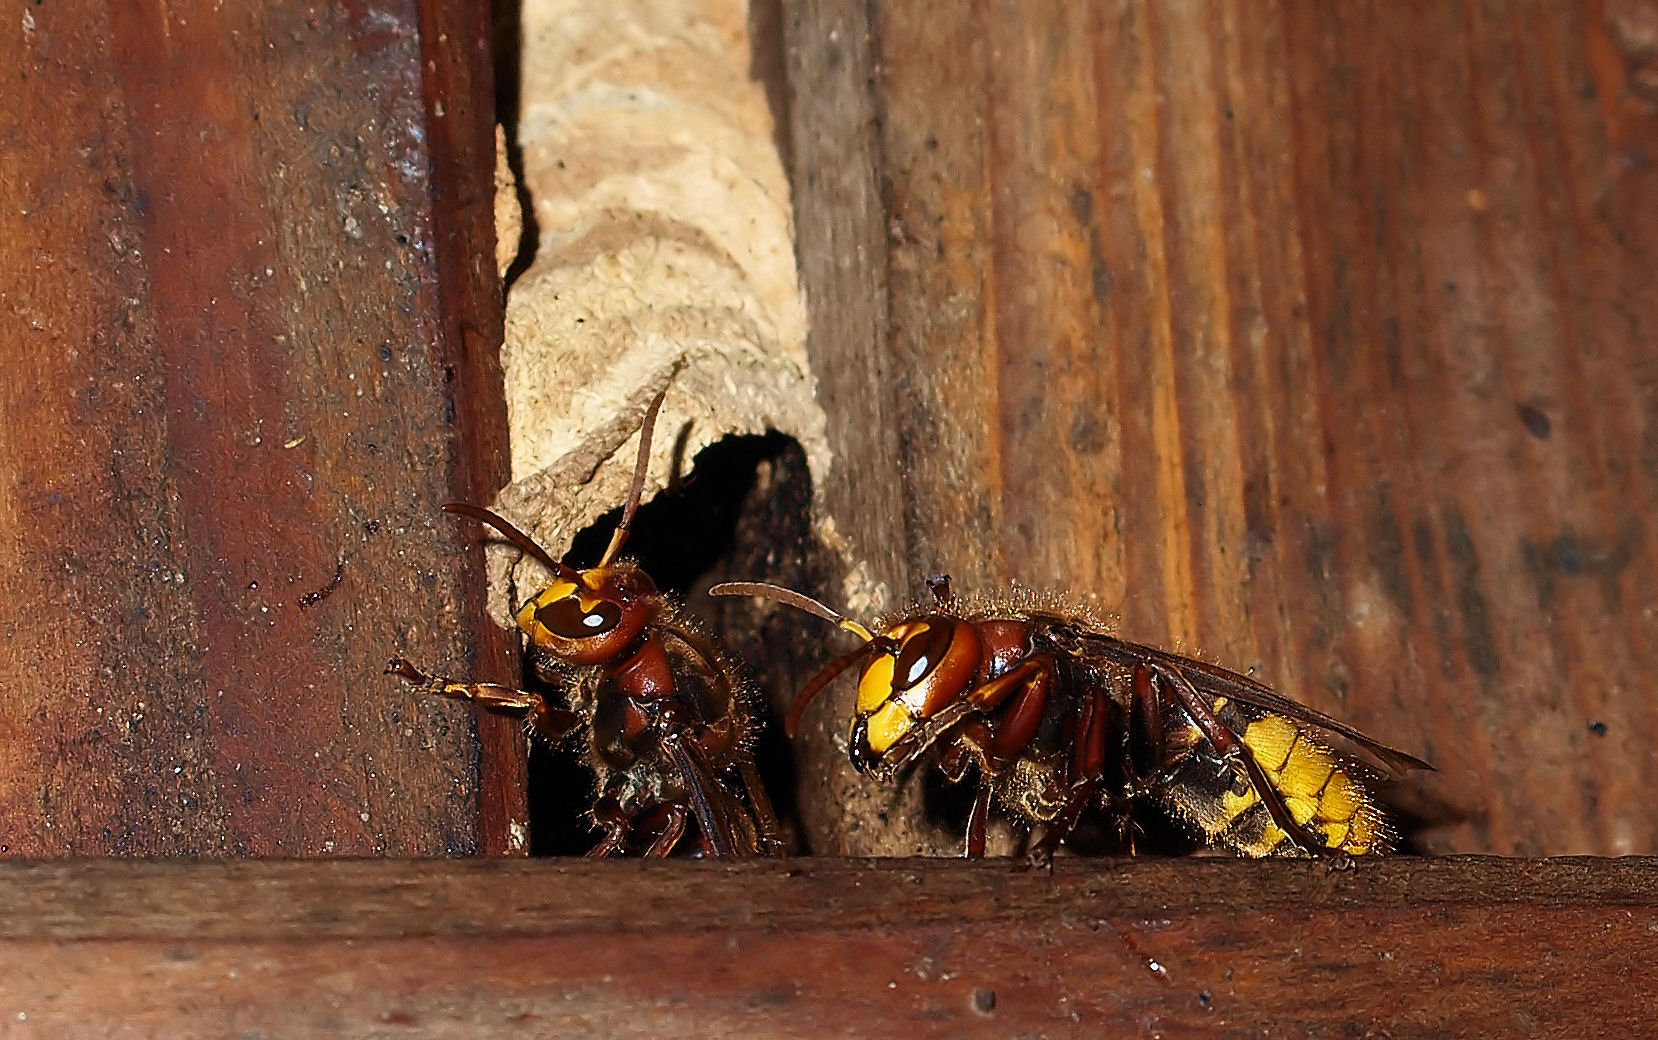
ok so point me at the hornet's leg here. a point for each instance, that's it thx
(542, 719)
(1086, 770)
(609, 814)
(667, 820)
(1026, 683)
(769, 841)
(670, 817)
(954, 761)
(978, 818)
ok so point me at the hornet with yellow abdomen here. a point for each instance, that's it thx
(1057, 717)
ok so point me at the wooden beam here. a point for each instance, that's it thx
(1314, 340)
(813, 948)
(251, 320)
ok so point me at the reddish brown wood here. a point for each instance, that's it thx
(1311, 339)
(1468, 947)
(457, 86)
(241, 302)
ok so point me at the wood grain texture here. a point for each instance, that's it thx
(250, 322)
(458, 88)
(834, 153)
(1401, 948)
(1312, 340)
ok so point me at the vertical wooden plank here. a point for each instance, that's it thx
(833, 150)
(458, 86)
(1448, 325)
(1313, 340)
(828, 53)
(223, 275)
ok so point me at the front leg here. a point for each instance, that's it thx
(666, 822)
(1020, 700)
(769, 837)
(609, 814)
(1085, 772)
(955, 760)
(541, 719)
(1027, 684)
(669, 823)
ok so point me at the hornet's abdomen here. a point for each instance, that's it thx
(1318, 793)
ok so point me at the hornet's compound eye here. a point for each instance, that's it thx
(933, 661)
(922, 651)
(568, 619)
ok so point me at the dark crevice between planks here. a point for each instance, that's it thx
(507, 34)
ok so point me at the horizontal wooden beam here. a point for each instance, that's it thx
(822, 947)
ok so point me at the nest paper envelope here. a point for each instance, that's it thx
(663, 255)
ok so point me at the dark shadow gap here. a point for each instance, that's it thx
(507, 33)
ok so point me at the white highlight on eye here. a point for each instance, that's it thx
(918, 668)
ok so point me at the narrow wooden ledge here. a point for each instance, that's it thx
(816, 947)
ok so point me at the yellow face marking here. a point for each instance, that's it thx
(558, 590)
(875, 686)
(555, 592)
(527, 621)
(915, 699)
(887, 725)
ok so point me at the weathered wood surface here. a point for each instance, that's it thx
(816, 948)
(249, 318)
(1313, 339)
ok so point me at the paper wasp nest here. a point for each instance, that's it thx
(663, 251)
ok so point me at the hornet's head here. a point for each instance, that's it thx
(911, 670)
(586, 617)
(917, 667)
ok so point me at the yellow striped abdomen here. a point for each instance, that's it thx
(1319, 795)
